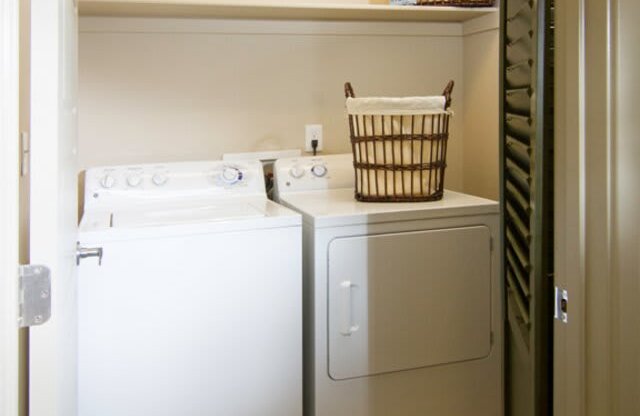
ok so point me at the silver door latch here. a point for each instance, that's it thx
(84, 252)
(561, 304)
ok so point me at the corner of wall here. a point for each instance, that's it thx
(481, 43)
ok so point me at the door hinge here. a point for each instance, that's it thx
(25, 153)
(35, 295)
(561, 303)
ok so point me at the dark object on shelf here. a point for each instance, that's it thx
(457, 3)
(399, 146)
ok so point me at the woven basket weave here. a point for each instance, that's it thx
(457, 3)
(400, 158)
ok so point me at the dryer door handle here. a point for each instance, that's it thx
(346, 312)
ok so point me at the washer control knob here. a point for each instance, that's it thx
(319, 170)
(159, 178)
(296, 171)
(134, 180)
(107, 181)
(231, 175)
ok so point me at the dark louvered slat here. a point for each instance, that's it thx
(519, 101)
(521, 253)
(523, 188)
(520, 302)
(519, 20)
(519, 48)
(520, 274)
(518, 75)
(515, 197)
(523, 145)
(518, 225)
(517, 9)
(523, 177)
(519, 126)
(521, 159)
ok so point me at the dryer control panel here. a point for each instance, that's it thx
(110, 186)
(313, 173)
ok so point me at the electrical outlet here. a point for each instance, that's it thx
(312, 132)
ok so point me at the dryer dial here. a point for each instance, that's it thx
(296, 171)
(319, 170)
(231, 175)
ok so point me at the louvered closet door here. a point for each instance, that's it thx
(527, 197)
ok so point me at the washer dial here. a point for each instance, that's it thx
(159, 178)
(134, 180)
(107, 181)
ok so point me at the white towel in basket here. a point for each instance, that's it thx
(396, 106)
(395, 116)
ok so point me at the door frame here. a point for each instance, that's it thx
(589, 255)
(569, 236)
(9, 208)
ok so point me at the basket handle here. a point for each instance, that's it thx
(447, 94)
(348, 90)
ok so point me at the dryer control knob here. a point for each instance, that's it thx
(134, 180)
(296, 171)
(107, 181)
(319, 170)
(231, 175)
(159, 178)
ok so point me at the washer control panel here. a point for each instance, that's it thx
(113, 185)
(311, 173)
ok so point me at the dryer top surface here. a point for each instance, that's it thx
(338, 207)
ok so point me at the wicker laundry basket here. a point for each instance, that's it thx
(457, 3)
(399, 146)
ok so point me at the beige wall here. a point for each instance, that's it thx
(168, 90)
(177, 89)
(481, 98)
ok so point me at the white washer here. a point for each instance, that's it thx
(403, 305)
(195, 308)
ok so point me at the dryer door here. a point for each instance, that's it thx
(408, 300)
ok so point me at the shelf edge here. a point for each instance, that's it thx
(227, 10)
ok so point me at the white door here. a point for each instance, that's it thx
(9, 117)
(52, 351)
(408, 300)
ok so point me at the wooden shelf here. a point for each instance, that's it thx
(279, 10)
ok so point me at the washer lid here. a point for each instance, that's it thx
(338, 207)
(236, 214)
(196, 214)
